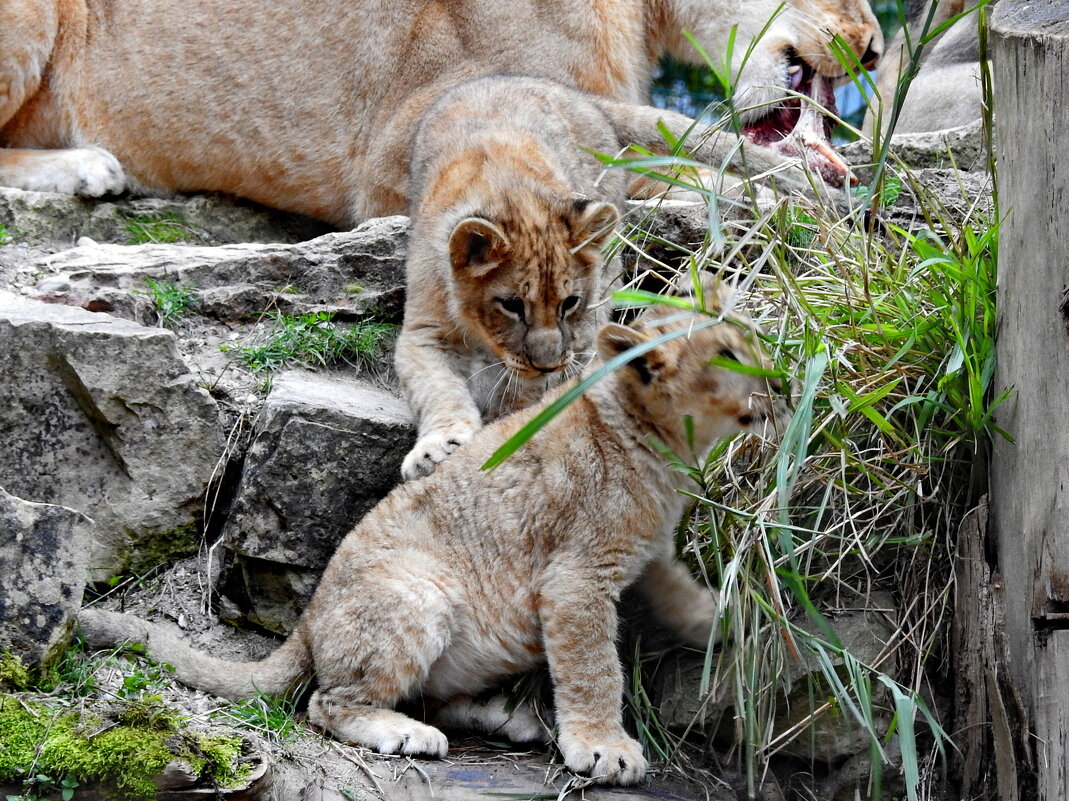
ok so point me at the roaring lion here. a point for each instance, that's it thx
(311, 106)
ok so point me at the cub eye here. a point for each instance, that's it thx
(569, 303)
(513, 306)
(728, 353)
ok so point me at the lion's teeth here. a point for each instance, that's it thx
(794, 74)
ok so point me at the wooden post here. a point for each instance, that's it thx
(1030, 478)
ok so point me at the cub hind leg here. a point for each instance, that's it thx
(29, 30)
(495, 715)
(373, 649)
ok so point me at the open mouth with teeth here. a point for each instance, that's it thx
(797, 126)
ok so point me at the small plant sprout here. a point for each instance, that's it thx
(170, 300)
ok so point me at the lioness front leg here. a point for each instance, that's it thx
(446, 413)
(578, 615)
(28, 32)
(85, 171)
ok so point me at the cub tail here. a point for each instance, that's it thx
(274, 675)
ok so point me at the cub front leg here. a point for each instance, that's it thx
(439, 396)
(578, 616)
(690, 609)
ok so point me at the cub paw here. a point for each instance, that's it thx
(432, 448)
(411, 737)
(84, 171)
(615, 759)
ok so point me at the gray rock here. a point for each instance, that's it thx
(961, 148)
(44, 552)
(325, 450)
(851, 780)
(358, 273)
(105, 418)
(663, 232)
(206, 219)
(830, 738)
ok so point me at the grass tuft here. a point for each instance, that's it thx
(170, 300)
(315, 340)
(273, 717)
(158, 228)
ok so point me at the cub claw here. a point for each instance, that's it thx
(619, 762)
(432, 448)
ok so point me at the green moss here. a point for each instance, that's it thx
(221, 753)
(161, 546)
(149, 712)
(13, 674)
(39, 740)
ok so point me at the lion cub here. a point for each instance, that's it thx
(505, 276)
(457, 581)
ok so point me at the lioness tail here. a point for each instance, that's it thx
(274, 675)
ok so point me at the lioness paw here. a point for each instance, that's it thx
(85, 171)
(433, 447)
(608, 760)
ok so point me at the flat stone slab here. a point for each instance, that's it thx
(355, 274)
(206, 219)
(44, 552)
(105, 418)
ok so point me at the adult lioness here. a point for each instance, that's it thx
(310, 105)
(460, 579)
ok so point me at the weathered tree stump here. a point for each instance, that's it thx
(1030, 478)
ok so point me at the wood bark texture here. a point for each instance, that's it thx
(1029, 478)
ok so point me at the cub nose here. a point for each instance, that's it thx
(543, 349)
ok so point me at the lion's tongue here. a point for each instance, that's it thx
(810, 137)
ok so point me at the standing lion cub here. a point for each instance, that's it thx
(457, 581)
(506, 285)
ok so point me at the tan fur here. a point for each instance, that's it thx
(310, 106)
(501, 164)
(460, 579)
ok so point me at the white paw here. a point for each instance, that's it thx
(408, 737)
(85, 171)
(524, 726)
(615, 759)
(433, 447)
(497, 716)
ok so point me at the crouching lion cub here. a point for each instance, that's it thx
(506, 286)
(459, 580)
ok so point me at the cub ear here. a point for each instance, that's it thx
(614, 339)
(716, 295)
(478, 244)
(595, 222)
